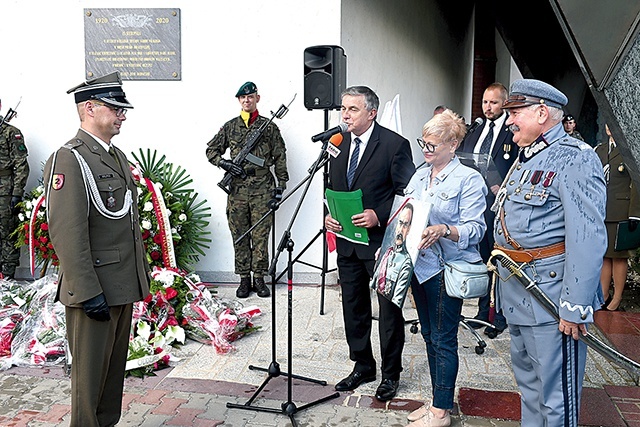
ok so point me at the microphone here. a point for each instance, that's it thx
(477, 122)
(342, 127)
(334, 143)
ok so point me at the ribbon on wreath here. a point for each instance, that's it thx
(164, 226)
(32, 239)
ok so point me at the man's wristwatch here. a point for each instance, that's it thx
(448, 232)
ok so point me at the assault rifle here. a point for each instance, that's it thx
(251, 141)
(10, 115)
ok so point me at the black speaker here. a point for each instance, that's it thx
(325, 77)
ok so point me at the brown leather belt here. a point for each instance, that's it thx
(528, 255)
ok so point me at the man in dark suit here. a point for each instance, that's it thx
(494, 138)
(94, 227)
(378, 161)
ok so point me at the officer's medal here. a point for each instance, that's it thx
(523, 179)
(621, 167)
(111, 201)
(506, 148)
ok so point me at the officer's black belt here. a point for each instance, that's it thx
(528, 255)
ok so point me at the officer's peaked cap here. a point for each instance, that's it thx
(246, 89)
(526, 92)
(107, 89)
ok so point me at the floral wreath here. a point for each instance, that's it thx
(173, 225)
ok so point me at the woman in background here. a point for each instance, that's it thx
(622, 204)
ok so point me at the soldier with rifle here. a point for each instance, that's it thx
(14, 172)
(256, 147)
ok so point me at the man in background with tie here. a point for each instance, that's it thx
(494, 139)
(378, 161)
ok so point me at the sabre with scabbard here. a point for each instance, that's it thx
(530, 285)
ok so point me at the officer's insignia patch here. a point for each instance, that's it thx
(58, 181)
(22, 147)
(18, 136)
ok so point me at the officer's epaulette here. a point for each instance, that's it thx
(73, 144)
(575, 142)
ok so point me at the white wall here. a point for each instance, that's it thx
(394, 50)
(405, 47)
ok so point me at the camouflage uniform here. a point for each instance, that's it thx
(248, 200)
(14, 171)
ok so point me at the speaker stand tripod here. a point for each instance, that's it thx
(288, 407)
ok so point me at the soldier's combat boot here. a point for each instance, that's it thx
(260, 288)
(244, 289)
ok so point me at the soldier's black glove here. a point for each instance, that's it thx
(97, 309)
(633, 224)
(277, 193)
(13, 205)
(232, 168)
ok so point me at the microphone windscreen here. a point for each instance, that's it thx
(336, 139)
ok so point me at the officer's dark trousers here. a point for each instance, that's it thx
(99, 356)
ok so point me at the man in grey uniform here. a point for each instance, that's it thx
(550, 217)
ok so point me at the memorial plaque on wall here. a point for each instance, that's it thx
(142, 44)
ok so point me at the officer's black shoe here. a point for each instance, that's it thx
(260, 288)
(244, 289)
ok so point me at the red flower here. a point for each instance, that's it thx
(155, 255)
(172, 321)
(146, 234)
(26, 226)
(43, 240)
(148, 299)
(171, 293)
(157, 350)
(157, 239)
(44, 226)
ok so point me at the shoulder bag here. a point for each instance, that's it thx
(464, 279)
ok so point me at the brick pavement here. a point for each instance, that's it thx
(196, 391)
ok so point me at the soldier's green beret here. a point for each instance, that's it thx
(529, 92)
(246, 89)
(107, 89)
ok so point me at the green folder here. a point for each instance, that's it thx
(342, 206)
(627, 239)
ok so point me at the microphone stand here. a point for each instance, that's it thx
(288, 408)
(324, 269)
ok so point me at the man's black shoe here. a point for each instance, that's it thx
(260, 288)
(354, 380)
(244, 289)
(476, 325)
(387, 390)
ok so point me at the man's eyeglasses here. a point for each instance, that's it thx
(427, 146)
(120, 112)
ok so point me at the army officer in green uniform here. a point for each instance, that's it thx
(14, 172)
(95, 231)
(251, 188)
